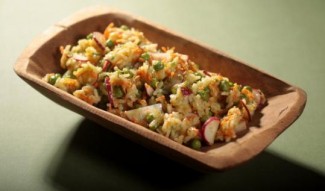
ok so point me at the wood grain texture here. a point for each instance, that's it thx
(285, 102)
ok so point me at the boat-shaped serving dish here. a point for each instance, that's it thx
(285, 102)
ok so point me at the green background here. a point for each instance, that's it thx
(44, 146)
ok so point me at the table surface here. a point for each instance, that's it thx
(44, 146)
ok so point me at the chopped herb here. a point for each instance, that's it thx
(174, 90)
(205, 93)
(153, 127)
(149, 118)
(118, 91)
(154, 83)
(89, 36)
(198, 74)
(248, 88)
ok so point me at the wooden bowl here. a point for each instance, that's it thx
(285, 102)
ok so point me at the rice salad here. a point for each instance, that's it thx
(121, 71)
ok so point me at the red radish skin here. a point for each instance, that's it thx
(186, 91)
(206, 73)
(99, 39)
(107, 63)
(109, 90)
(209, 130)
(247, 110)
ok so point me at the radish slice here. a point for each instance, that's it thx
(149, 89)
(206, 73)
(107, 63)
(247, 110)
(138, 115)
(80, 57)
(109, 90)
(186, 91)
(99, 39)
(258, 97)
(209, 130)
(241, 127)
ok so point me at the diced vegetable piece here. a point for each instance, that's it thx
(107, 63)
(139, 115)
(118, 92)
(158, 66)
(149, 89)
(109, 90)
(80, 57)
(149, 118)
(247, 110)
(225, 85)
(242, 126)
(124, 27)
(186, 91)
(89, 36)
(99, 39)
(53, 78)
(205, 93)
(248, 88)
(110, 43)
(174, 90)
(196, 144)
(145, 56)
(209, 129)
(206, 73)
(258, 97)
(154, 82)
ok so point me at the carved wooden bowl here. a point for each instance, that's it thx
(285, 102)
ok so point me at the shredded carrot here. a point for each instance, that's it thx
(108, 29)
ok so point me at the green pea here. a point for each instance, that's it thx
(225, 85)
(110, 43)
(145, 56)
(53, 78)
(196, 144)
(158, 66)
(118, 91)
